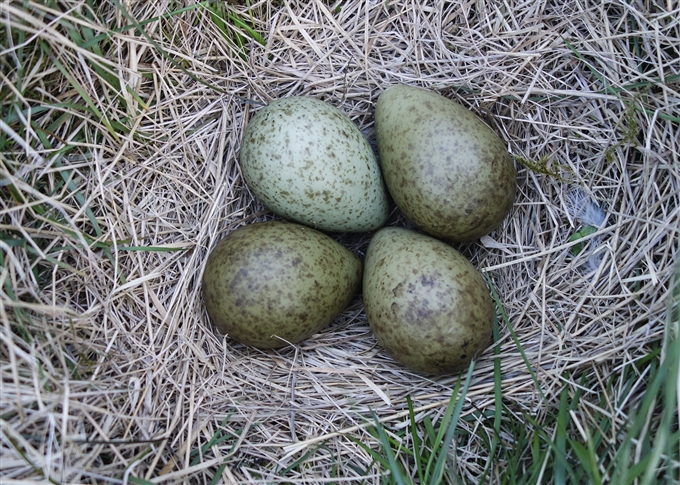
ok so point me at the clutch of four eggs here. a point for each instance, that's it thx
(306, 161)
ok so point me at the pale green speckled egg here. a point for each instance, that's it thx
(268, 284)
(306, 161)
(427, 305)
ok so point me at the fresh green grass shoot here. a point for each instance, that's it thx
(429, 452)
(580, 234)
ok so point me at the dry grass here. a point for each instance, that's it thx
(119, 174)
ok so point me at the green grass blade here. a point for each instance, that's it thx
(253, 34)
(218, 437)
(218, 474)
(443, 429)
(452, 424)
(637, 420)
(430, 433)
(561, 436)
(513, 334)
(498, 399)
(540, 435)
(377, 457)
(664, 442)
(416, 440)
(588, 460)
(218, 21)
(391, 457)
(139, 481)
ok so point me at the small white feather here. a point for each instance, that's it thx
(584, 209)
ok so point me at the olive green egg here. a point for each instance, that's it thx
(447, 171)
(270, 284)
(427, 305)
(309, 163)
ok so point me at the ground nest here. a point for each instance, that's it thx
(120, 130)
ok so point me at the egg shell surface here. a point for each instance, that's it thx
(427, 305)
(309, 163)
(447, 171)
(268, 284)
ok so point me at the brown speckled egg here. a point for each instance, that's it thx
(269, 284)
(306, 161)
(427, 305)
(448, 172)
